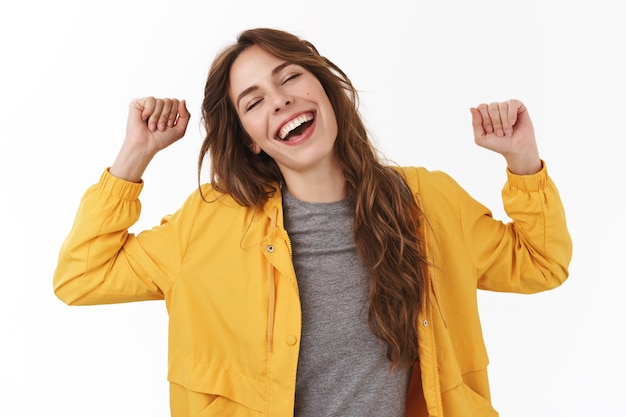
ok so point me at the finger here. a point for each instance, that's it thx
(516, 108)
(147, 105)
(173, 114)
(507, 125)
(494, 115)
(155, 115)
(484, 112)
(183, 115)
(477, 124)
(165, 114)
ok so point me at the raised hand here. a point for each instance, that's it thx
(153, 124)
(506, 128)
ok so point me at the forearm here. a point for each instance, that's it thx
(130, 164)
(534, 203)
(534, 252)
(92, 266)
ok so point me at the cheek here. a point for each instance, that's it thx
(256, 129)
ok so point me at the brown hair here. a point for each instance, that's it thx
(386, 220)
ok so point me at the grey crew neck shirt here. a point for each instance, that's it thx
(342, 368)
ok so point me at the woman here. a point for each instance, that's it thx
(308, 277)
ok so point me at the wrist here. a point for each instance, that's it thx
(524, 166)
(129, 165)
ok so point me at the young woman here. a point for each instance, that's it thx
(308, 278)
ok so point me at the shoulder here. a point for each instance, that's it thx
(207, 195)
(439, 195)
(205, 203)
(424, 181)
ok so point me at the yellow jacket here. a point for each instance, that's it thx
(226, 275)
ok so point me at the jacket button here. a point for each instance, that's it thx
(291, 340)
(269, 248)
(425, 323)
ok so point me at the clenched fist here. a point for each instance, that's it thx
(506, 128)
(153, 124)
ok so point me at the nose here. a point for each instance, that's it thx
(281, 101)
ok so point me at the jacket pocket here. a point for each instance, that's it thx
(224, 407)
(221, 390)
(480, 405)
(463, 401)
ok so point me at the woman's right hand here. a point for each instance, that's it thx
(153, 124)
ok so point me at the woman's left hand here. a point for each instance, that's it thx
(506, 128)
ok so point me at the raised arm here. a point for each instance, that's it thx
(100, 261)
(533, 252)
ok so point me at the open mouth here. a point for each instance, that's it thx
(296, 126)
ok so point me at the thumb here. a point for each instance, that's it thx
(183, 116)
(477, 123)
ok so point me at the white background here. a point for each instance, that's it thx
(69, 69)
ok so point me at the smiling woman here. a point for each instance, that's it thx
(308, 277)
(287, 115)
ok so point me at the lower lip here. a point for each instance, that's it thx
(302, 138)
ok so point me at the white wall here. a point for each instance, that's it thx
(69, 69)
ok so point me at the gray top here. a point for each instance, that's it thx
(342, 369)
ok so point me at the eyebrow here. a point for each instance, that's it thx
(275, 71)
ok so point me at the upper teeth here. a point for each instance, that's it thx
(294, 124)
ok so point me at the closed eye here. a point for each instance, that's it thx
(290, 77)
(253, 104)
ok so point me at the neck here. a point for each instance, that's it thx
(317, 186)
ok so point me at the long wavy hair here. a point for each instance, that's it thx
(387, 219)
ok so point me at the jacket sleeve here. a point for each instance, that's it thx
(530, 254)
(100, 262)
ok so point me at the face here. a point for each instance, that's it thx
(285, 111)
